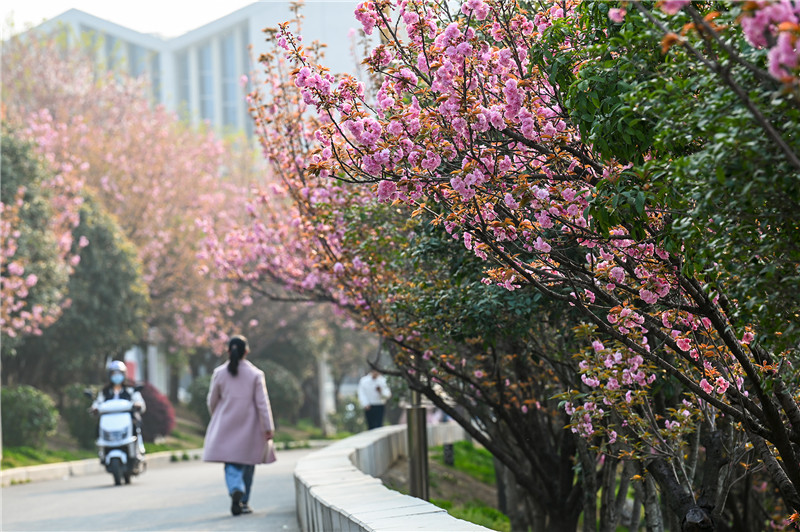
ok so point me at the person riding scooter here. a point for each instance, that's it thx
(117, 389)
(119, 436)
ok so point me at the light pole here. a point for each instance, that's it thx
(417, 447)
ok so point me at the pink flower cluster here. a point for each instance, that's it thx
(774, 24)
(477, 8)
(720, 385)
(671, 7)
(616, 370)
(488, 141)
(366, 13)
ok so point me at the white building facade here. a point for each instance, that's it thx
(199, 74)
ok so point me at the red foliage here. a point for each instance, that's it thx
(159, 417)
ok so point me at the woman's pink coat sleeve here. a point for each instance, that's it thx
(262, 403)
(213, 395)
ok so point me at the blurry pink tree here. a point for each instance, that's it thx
(39, 211)
(155, 175)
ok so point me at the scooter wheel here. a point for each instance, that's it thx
(116, 469)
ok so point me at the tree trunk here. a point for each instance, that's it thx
(621, 502)
(514, 503)
(636, 509)
(609, 516)
(337, 385)
(689, 515)
(535, 515)
(652, 510)
(174, 383)
(500, 480)
(589, 479)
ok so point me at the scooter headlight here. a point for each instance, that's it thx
(114, 435)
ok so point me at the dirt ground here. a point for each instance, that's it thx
(444, 483)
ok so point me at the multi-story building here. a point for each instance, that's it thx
(199, 74)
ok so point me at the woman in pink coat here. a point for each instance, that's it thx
(241, 425)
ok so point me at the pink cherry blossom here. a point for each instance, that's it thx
(671, 7)
(616, 14)
(684, 344)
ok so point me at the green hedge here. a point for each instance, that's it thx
(285, 392)
(29, 416)
(199, 392)
(82, 425)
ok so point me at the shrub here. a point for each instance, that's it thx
(159, 417)
(199, 392)
(82, 426)
(29, 416)
(349, 417)
(285, 392)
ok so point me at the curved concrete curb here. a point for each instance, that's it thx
(334, 489)
(63, 470)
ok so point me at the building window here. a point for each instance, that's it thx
(89, 38)
(246, 68)
(206, 76)
(136, 56)
(111, 50)
(155, 75)
(183, 84)
(230, 84)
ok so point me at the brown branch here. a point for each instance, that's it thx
(787, 488)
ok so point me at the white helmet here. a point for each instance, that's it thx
(117, 365)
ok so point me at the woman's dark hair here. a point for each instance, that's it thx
(237, 349)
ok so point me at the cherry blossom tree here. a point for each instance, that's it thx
(310, 240)
(39, 212)
(478, 114)
(107, 313)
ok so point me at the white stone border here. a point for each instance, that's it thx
(336, 488)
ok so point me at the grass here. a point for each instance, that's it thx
(176, 441)
(28, 456)
(477, 513)
(478, 463)
(302, 431)
(475, 461)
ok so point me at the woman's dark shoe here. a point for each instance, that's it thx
(236, 502)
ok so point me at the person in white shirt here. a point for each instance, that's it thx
(372, 395)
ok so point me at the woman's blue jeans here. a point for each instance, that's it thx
(239, 477)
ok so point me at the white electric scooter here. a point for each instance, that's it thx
(119, 445)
